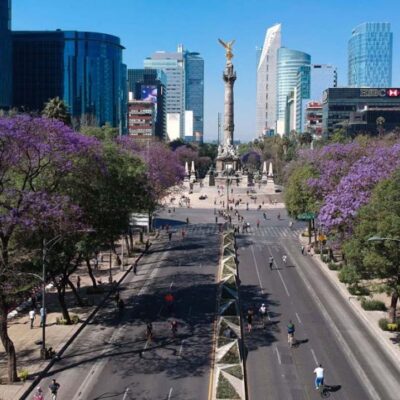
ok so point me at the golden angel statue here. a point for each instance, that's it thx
(228, 48)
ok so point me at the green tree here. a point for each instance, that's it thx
(379, 260)
(105, 132)
(298, 197)
(56, 109)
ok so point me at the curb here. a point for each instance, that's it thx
(42, 374)
(361, 314)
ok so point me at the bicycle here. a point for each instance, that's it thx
(323, 391)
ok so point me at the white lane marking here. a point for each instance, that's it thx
(298, 318)
(258, 274)
(180, 349)
(125, 394)
(170, 393)
(284, 284)
(278, 355)
(146, 344)
(314, 356)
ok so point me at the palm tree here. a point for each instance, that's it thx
(56, 108)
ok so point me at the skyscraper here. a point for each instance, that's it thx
(83, 68)
(289, 62)
(5, 54)
(370, 55)
(312, 80)
(185, 87)
(194, 96)
(173, 65)
(266, 81)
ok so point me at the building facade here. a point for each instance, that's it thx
(141, 119)
(194, 96)
(312, 80)
(339, 104)
(84, 69)
(289, 62)
(173, 65)
(5, 55)
(150, 85)
(370, 55)
(267, 70)
(313, 118)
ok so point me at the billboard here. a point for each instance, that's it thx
(149, 93)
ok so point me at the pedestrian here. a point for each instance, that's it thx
(249, 320)
(183, 234)
(78, 283)
(38, 394)
(187, 220)
(302, 249)
(117, 298)
(169, 236)
(216, 220)
(247, 206)
(290, 224)
(32, 317)
(265, 216)
(54, 387)
(271, 263)
(258, 223)
(42, 316)
(309, 250)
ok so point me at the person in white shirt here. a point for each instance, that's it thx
(263, 313)
(319, 376)
(32, 317)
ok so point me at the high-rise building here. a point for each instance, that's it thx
(370, 55)
(150, 85)
(312, 80)
(266, 107)
(185, 86)
(85, 69)
(141, 119)
(173, 65)
(5, 54)
(194, 96)
(289, 62)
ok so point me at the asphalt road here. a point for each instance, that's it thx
(327, 329)
(111, 358)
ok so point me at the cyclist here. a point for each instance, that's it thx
(290, 331)
(54, 387)
(38, 394)
(174, 327)
(149, 331)
(319, 377)
(264, 313)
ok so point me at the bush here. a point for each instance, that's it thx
(373, 305)
(356, 290)
(23, 375)
(333, 266)
(325, 258)
(348, 275)
(383, 324)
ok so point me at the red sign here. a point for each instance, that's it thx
(393, 92)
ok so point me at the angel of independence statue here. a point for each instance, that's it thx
(228, 49)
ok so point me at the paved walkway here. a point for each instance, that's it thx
(24, 338)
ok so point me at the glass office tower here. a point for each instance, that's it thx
(194, 96)
(5, 54)
(289, 62)
(370, 55)
(266, 100)
(83, 68)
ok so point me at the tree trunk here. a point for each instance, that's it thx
(78, 298)
(63, 304)
(393, 306)
(90, 271)
(7, 342)
(131, 240)
(127, 245)
(309, 231)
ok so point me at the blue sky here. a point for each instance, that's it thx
(318, 27)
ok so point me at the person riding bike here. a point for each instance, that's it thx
(174, 327)
(264, 313)
(290, 331)
(38, 394)
(319, 376)
(54, 387)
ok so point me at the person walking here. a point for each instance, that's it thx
(264, 314)
(271, 263)
(187, 220)
(258, 223)
(38, 394)
(32, 317)
(54, 387)
(290, 331)
(169, 236)
(42, 316)
(265, 216)
(302, 249)
(249, 320)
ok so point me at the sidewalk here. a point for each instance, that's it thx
(24, 338)
(369, 318)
